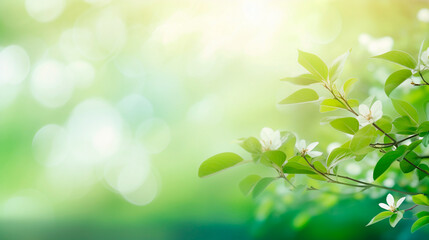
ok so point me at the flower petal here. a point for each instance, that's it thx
(311, 146)
(399, 202)
(376, 108)
(363, 109)
(301, 145)
(383, 205)
(314, 154)
(389, 199)
(362, 121)
(266, 134)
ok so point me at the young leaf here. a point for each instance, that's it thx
(379, 217)
(288, 146)
(218, 162)
(330, 105)
(313, 64)
(362, 139)
(395, 218)
(421, 222)
(277, 157)
(425, 140)
(248, 183)
(251, 145)
(337, 67)
(421, 199)
(399, 57)
(424, 127)
(348, 85)
(300, 96)
(405, 109)
(348, 125)
(337, 155)
(395, 79)
(384, 163)
(385, 123)
(261, 185)
(303, 79)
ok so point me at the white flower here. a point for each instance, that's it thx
(424, 58)
(307, 150)
(369, 116)
(391, 206)
(270, 139)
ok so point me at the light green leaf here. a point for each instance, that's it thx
(303, 79)
(337, 155)
(399, 57)
(421, 199)
(288, 146)
(385, 123)
(405, 109)
(319, 166)
(261, 185)
(248, 183)
(337, 66)
(300, 96)
(218, 162)
(379, 217)
(425, 140)
(421, 222)
(251, 145)
(395, 79)
(404, 125)
(385, 161)
(348, 125)
(348, 85)
(277, 157)
(405, 166)
(395, 218)
(313, 64)
(332, 104)
(424, 127)
(297, 168)
(362, 139)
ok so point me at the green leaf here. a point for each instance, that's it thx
(338, 66)
(300, 96)
(385, 161)
(395, 79)
(399, 57)
(303, 79)
(248, 183)
(379, 217)
(313, 64)
(385, 123)
(337, 155)
(421, 199)
(404, 125)
(405, 166)
(362, 139)
(421, 222)
(348, 85)
(348, 125)
(251, 145)
(332, 104)
(422, 214)
(424, 127)
(261, 185)
(395, 218)
(218, 162)
(288, 146)
(319, 166)
(425, 140)
(277, 157)
(421, 174)
(405, 109)
(297, 168)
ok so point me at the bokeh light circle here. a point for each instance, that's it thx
(45, 10)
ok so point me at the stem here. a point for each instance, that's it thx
(385, 145)
(411, 208)
(421, 76)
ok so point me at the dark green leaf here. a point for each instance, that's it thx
(395, 79)
(313, 64)
(399, 57)
(348, 125)
(385, 161)
(422, 214)
(218, 162)
(421, 174)
(300, 96)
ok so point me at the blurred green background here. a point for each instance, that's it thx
(107, 108)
